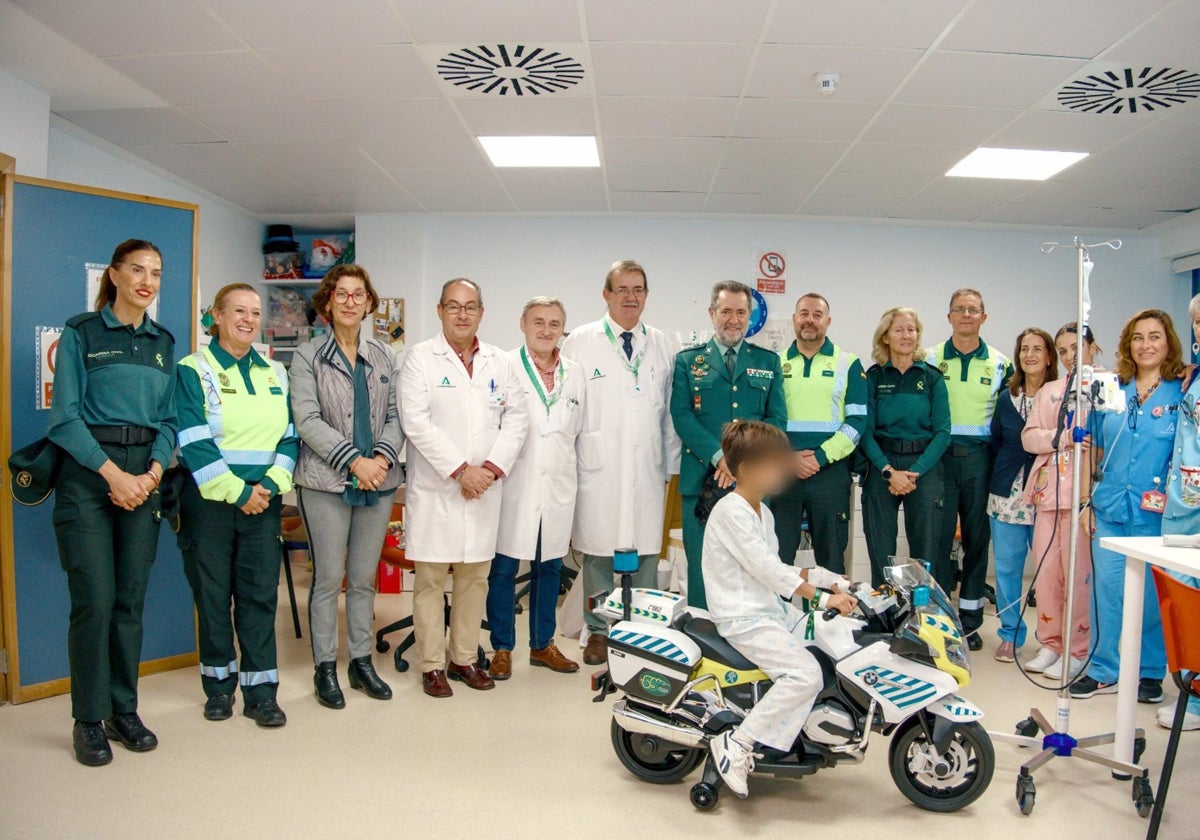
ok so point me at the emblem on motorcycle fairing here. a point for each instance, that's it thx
(655, 685)
(870, 678)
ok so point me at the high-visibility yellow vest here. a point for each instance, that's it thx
(972, 386)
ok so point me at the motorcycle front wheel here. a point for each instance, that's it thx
(652, 759)
(941, 782)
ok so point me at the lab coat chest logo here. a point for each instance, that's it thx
(596, 374)
(445, 383)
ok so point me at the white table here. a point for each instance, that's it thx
(1139, 552)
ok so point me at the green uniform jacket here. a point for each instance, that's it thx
(704, 398)
(906, 406)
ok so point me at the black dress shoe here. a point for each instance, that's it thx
(266, 713)
(974, 642)
(325, 681)
(128, 728)
(363, 677)
(218, 707)
(91, 744)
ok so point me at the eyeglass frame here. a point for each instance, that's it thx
(454, 307)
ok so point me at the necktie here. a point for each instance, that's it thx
(729, 354)
(627, 343)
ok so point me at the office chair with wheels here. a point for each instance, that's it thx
(289, 523)
(1180, 607)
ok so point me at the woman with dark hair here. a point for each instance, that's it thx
(344, 404)
(1133, 449)
(1011, 515)
(113, 416)
(238, 445)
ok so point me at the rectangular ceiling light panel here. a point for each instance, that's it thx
(1014, 164)
(541, 152)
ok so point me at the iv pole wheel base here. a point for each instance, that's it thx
(1143, 796)
(1026, 794)
(1027, 728)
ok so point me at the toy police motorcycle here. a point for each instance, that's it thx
(894, 670)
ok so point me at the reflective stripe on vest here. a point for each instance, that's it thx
(214, 408)
(837, 396)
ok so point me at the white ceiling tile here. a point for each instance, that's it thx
(661, 151)
(261, 122)
(1167, 198)
(486, 21)
(1169, 137)
(986, 80)
(382, 71)
(631, 69)
(1130, 219)
(867, 184)
(1068, 131)
(446, 180)
(938, 210)
(848, 205)
(1034, 214)
(561, 201)
(142, 126)
(799, 155)
(382, 202)
(188, 158)
(300, 154)
(928, 125)
(902, 159)
(127, 27)
(209, 78)
(510, 115)
(861, 23)
(359, 119)
(344, 181)
(764, 182)
(774, 205)
(1126, 168)
(570, 179)
(785, 71)
(646, 116)
(311, 24)
(425, 152)
(821, 121)
(996, 190)
(1073, 28)
(1087, 193)
(468, 202)
(1167, 40)
(697, 21)
(656, 179)
(657, 202)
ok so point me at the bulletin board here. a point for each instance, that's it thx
(53, 232)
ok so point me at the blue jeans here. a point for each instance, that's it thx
(1108, 597)
(1010, 545)
(544, 582)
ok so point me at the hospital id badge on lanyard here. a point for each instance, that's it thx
(1154, 501)
(632, 365)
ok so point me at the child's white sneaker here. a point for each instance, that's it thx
(1054, 672)
(1044, 659)
(1165, 717)
(734, 762)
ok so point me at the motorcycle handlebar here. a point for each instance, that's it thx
(830, 614)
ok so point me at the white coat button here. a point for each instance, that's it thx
(735, 387)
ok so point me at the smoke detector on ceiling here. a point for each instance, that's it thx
(510, 69)
(1130, 90)
(827, 82)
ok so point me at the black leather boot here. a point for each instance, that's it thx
(329, 693)
(363, 677)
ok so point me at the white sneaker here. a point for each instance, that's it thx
(1054, 672)
(1166, 717)
(1044, 659)
(734, 762)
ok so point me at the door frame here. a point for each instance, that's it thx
(8, 165)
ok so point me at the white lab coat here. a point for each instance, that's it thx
(539, 491)
(627, 447)
(449, 419)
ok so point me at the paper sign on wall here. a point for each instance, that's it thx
(771, 271)
(95, 272)
(47, 352)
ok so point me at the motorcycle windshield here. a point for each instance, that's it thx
(935, 623)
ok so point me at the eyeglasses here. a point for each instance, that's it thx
(471, 309)
(626, 291)
(966, 310)
(358, 296)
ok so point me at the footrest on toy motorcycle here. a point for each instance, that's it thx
(785, 765)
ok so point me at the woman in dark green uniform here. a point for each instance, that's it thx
(908, 430)
(113, 416)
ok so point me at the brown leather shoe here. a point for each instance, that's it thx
(501, 665)
(471, 675)
(596, 652)
(435, 685)
(551, 657)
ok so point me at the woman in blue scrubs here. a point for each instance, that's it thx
(1133, 454)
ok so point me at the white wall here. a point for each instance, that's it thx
(861, 268)
(24, 124)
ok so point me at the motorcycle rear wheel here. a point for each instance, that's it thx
(652, 759)
(970, 759)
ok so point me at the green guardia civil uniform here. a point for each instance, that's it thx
(705, 396)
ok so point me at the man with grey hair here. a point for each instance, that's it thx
(715, 383)
(538, 500)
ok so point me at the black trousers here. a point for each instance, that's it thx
(922, 516)
(825, 497)
(106, 552)
(967, 470)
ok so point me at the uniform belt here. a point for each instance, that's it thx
(902, 447)
(123, 435)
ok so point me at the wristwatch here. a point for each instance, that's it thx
(886, 472)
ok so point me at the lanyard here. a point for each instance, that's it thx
(630, 365)
(534, 377)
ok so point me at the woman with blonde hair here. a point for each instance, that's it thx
(908, 430)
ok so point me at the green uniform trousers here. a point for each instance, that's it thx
(693, 545)
(825, 497)
(967, 470)
(922, 516)
(230, 558)
(106, 552)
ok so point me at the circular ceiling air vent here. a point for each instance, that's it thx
(505, 69)
(1130, 91)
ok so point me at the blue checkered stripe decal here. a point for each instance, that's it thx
(652, 644)
(963, 711)
(899, 689)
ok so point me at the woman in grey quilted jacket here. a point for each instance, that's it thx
(344, 408)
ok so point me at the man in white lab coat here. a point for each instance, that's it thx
(465, 416)
(539, 493)
(627, 447)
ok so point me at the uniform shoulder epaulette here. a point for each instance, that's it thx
(82, 318)
(691, 347)
(169, 334)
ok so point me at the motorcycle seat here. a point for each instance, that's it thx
(712, 646)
